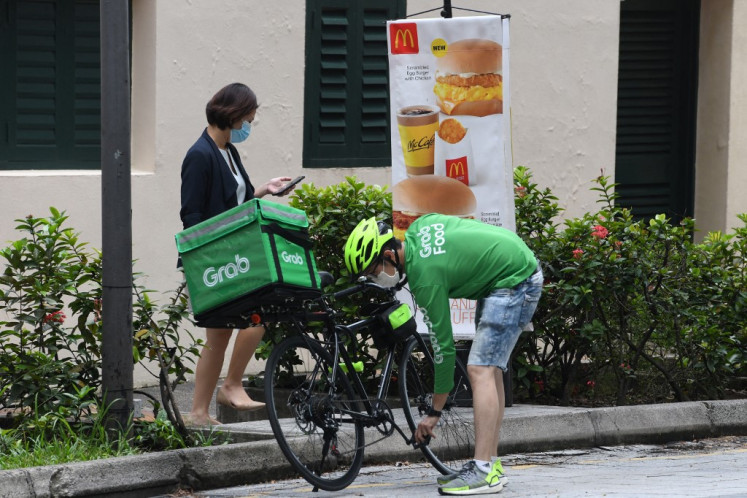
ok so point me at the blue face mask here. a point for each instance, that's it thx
(242, 133)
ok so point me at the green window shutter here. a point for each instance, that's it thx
(51, 104)
(346, 104)
(87, 81)
(657, 85)
(33, 132)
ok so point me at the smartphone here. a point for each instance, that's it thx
(289, 185)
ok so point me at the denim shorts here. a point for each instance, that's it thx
(500, 318)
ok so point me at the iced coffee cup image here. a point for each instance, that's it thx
(417, 131)
(453, 157)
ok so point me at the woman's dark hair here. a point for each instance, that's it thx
(231, 103)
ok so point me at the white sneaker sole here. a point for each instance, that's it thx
(448, 478)
(483, 490)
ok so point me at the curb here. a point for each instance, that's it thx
(526, 428)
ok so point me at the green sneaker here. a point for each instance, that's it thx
(450, 477)
(473, 481)
(497, 467)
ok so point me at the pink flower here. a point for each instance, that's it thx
(577, 253)
(591, 384)
(599, 232)
(520, 191)
(57, 316)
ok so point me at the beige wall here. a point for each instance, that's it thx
(563, 116)
(714, 87)
(564, 91)
(721, 151)
(736, 193)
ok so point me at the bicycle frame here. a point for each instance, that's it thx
(327, 393)
(372, 416)
(333, 337)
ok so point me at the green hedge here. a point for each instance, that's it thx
(632, 310)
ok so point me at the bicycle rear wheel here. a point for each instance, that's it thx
(306, 411)
(453, 445)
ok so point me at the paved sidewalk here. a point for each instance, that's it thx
(526, 428)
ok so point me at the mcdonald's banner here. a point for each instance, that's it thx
(451, 134)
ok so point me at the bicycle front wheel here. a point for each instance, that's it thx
(310, 413)
(453, 445)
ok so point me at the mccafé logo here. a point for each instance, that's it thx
(458, 169)
(296, 259)
(404, 38)
(212, 277)
(425, 142)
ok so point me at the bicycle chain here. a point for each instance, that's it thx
(384, 434)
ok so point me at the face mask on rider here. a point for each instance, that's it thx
(384, 279)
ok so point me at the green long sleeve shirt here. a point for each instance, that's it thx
(449, 257)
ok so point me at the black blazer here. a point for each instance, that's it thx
(208, 187)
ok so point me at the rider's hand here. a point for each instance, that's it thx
(425, 428)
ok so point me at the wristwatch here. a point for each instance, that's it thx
(432, 412)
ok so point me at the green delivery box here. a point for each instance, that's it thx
(240, 257)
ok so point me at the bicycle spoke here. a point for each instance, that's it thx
(454, 443)
(307, 413)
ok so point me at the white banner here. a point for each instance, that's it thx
(451, 133)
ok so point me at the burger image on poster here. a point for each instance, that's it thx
(469, 80)
(419, 195)
(453, 154)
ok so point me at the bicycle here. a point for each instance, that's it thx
(318, 405)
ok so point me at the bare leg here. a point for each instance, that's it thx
(207, 372)
(487, 408)
(232, 390)
(501, 393)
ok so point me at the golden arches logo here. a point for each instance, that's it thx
(458, 169)
(404, 38)
(404, 35)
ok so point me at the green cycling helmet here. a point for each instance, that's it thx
(365, 244)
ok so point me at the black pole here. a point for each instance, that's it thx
(116, 202)
(447, 9)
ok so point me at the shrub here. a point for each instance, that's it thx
(631, 308)
(50, 299)
(45, 355)
(333, 213)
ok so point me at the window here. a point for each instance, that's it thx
(346, 108)
(50, 89)
(656, 107)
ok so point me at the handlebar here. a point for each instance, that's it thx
(360, 286)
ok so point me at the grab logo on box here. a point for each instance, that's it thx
(296, 259)
(212, 277)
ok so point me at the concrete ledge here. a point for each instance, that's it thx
(549, 428)
(233, 465)
(729, 418)
(525, 428)
(122, 476)
(650, 423)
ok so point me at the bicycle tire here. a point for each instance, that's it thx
(302, 412)
(453, 445)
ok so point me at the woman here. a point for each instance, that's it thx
(213, 181)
